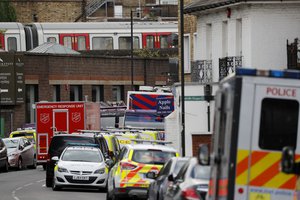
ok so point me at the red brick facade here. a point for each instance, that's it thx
(200, 139)
(66, 70)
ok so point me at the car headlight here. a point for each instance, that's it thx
(100, 171)
(62, 169)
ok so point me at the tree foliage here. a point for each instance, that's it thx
(7, 12)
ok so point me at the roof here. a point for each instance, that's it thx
(201, 5)
(53, 48)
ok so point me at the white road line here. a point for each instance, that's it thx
(28, 184)
(13, 194)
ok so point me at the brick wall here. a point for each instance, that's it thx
(49, 70)
(200, 139)
(47, 10)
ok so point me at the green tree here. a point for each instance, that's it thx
(7, 12)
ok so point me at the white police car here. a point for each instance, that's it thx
(80, 166)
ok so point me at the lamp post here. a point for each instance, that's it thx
(131, 47)
(182, 78)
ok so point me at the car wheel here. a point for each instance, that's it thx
(6, 166)
(54, 186)
(20, 164)
(33, 166)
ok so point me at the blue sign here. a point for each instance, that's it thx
(164, 105)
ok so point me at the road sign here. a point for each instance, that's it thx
(12, 86)
(19, 79)
(164, 105)
(7, 79)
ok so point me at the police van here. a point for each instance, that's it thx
(256, 116)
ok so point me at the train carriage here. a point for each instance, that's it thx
(93, 35)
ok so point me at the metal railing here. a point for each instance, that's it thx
(227, 65)
(94, 6)
(201, 71)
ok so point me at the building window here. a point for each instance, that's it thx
(97, 93)
(56, 93)
(208, 42)
(187, 55)
(75, 93)
(31, 98)
(278, 124)
(102, 43)
(224, 39)
(117, 93)
(239, 37)
(12, 44)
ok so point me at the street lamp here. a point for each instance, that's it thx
(131, 46)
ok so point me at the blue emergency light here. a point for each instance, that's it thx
(293, 74)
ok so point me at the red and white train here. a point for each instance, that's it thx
(89, 35)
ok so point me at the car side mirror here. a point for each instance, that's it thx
(171, 178)
(21, 147)
(288, 160)
(55, 158)
(151, 175)
(203, 155)
(109, 162)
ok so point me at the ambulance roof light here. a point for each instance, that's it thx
(270, 73)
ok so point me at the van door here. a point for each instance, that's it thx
(275, 125)
(222, 144)
(60, 120)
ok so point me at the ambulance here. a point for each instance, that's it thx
(256, 116)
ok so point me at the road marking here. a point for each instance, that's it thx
(13, 194)
(28, 184)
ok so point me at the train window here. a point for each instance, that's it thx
(150, 41)
(68, 41)
(102, 43)
(51, 39)
(81, 43)
(164, 41)
(125, 43)
(12, 43)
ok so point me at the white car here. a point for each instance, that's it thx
(80, 166)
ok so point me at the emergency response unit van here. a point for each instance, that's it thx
(256, 116)
(62, 117)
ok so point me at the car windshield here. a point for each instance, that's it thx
(178, 166)
(82, 155)
(11, 143)
(29, 136)
(149, 156)
(58, 144)
(200, 172)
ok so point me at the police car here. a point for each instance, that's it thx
(130, 177)
(80, 166)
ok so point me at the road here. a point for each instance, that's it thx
(30, 185)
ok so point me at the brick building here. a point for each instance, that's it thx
(92, 10)
(56, 77)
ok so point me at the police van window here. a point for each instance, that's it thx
(12, 43)
(278, 123)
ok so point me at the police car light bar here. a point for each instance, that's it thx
(83, 144)
(151, 141)
(293, 74)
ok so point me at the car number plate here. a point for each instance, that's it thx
(81, 178)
